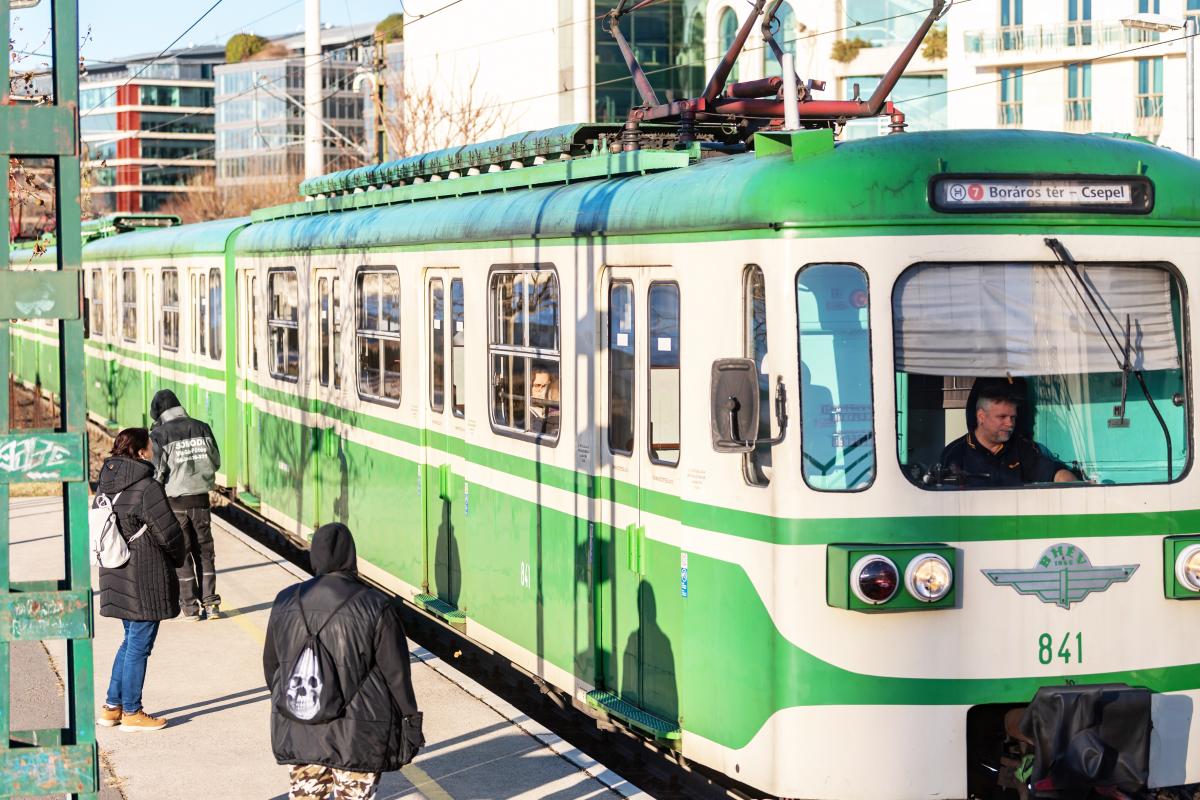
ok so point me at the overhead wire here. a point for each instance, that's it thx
(706, 61)
(1052, 67)
(208, 109)
(418, 17)
(151, 62)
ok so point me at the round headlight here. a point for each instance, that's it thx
(1187, 567)
(874, 579)
(928, 577)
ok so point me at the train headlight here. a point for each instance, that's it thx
(874, 579)
(1187, 567)
(928, 577)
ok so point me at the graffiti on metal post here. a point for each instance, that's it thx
(45, 457)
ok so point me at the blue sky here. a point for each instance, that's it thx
(125, 27)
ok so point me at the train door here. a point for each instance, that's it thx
(332, 462)
(447, 501)
(148, 309)
(248, 305)
(641, 600)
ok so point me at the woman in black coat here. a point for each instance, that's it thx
(143, 591)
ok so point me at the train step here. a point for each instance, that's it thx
(636, 718)
(442, 610)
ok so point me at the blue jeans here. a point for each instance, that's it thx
(129, 667)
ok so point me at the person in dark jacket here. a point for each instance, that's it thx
(380, 728)
(186, 460)
(142, 592)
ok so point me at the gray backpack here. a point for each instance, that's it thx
(106, 544)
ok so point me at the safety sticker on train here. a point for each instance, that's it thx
(1016, 194)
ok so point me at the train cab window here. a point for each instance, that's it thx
(283, 324)
(1071, 375)
(97, 303)
(170, 309)
(757, 464)
(837, 410)
(523, 351)
(621, 371)
(379, 375)
(458, 384)
(663, 343)
(215, 316)
(129, 305)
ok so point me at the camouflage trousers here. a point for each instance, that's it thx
(314, 782)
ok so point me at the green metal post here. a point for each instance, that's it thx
(62, 761)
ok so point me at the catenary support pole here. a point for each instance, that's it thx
(314, 155)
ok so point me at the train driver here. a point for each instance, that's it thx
(994, 454)
(543, 401)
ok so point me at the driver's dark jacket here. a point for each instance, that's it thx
(1019, 461)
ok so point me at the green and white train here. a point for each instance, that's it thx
(664, 426)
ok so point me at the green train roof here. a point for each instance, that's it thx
(201, 238)
(800, 180)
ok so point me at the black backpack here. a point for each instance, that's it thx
(313, 694)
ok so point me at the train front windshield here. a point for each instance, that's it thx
(1033, 373)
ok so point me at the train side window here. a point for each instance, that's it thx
(437, 344)
(283, 323)
(215, 314)
(150, 317)
(1025, 384)
(621, 375)
(663, 343)
(323, 314)
(170, 309)
(523, 351)
(757, 466)
(97, 303)
(129, 305)
(837, 431)
(330, 326)
(337, 333)
(458, 385)
(378, 333)
(253, 322)
(200, 319)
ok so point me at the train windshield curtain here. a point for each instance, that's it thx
(1026, 319)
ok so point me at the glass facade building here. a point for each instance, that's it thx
(668, 40)
(260, 110)
(147, 131)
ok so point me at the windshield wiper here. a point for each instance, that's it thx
(1123, 364)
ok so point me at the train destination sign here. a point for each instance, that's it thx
(992, 193)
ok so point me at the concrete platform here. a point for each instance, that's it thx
(206, 679)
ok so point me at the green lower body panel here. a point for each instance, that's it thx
(663, 730)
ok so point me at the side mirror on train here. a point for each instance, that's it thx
(734, 405)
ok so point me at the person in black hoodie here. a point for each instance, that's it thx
(380, 727)
(186, 460)
(143, 591)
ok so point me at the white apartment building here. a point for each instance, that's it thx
(1068, 65)
(1065, 65)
